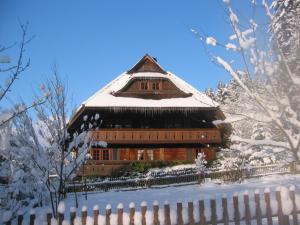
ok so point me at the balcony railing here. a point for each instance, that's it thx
(157, 136)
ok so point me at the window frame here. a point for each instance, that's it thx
(100, 154)
(96, 154)
(105, 154)
(144, 85)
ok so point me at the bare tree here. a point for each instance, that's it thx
(12, 72)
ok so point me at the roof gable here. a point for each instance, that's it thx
(109, 98)
(147, 64)
(157, 88)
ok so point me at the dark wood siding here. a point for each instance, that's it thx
(175, 154)
(164, 89)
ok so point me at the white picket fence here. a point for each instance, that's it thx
(278, 207)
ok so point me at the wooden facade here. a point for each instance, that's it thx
(148, 154)
(133, 133)
(164, 136)
(106, 160)
(152, 88)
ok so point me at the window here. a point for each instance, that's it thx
(100, 154)
(105, 154)
(141, 155)
(96, 154)
(155, 86)
(150, 155)
(145, 155)
(144, 85)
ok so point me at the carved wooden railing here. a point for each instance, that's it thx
(122, 136)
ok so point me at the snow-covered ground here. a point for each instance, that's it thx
(172, 168)
(183, 194)
(176, 194)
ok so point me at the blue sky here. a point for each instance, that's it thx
(94, 41)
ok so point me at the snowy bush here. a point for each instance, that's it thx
(42, 154)
(201, 162)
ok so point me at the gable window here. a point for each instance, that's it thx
(155, 86)
(144, 85)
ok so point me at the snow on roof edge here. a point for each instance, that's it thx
(178, 82)
(215, 104)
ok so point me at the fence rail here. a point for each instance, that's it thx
(280, 207)
(181, 176)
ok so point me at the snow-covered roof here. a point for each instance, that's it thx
(105, 97)
(147, 68)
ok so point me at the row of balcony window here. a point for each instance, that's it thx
(142, 154)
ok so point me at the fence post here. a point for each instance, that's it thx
(237, 217)
(49, 217)
(179, 214)
(120, 214)
(83, 215)
(191, 213)
(20, 219)
(107, 214)
(247, 208)
(268, 206)
(282, 219)
(144, 210)
(155, 213)
(214, 219)
(201, 213)
(225, 210)
(279, 213)
(131, 213)
(96, 214)
(294, 212)
(257, 208)
(167, 213)
(72, 215)
(32, 217)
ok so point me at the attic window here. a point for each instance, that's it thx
(144, 85)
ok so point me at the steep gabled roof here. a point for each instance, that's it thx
(105, 97)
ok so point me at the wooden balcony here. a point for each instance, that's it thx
(157, 136)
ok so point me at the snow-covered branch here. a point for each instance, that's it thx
(269, 90)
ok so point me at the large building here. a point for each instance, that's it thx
(148, 113)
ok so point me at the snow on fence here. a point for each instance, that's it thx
(280, 207)
(175, 177)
